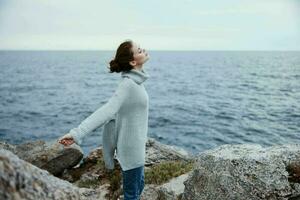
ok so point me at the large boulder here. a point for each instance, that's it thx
(245, 171)
(22, 180)
(51, 156)
(157, 152)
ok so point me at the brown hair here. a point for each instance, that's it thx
(122, 58)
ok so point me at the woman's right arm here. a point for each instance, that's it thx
(103, 114)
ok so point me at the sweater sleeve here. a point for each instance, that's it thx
(103, 114)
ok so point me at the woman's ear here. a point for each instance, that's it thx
(132, 63)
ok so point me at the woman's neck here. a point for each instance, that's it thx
(138, 67)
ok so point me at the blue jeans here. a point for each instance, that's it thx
(133, 183)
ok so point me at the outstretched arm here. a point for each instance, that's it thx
(103, 114)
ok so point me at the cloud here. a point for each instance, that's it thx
(34, 24)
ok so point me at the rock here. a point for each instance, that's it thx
(245, 171)
(165, 194)
(157, 152)
(175, 185)
(172, 190)
(22, 180)
(51, 156)
(150, 192)
(294, 171)
(7, 146)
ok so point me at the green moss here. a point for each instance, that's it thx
(113, 176)
(115, 179)
(100, 164)
(162, 172)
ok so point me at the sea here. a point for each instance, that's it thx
(198, 100)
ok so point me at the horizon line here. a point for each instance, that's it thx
(148, 50)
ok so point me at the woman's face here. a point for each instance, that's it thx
(139, 54)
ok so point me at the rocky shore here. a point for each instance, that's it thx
(48, 170)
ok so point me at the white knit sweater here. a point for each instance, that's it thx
(127, 112)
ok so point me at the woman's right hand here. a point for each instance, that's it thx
(66, 140)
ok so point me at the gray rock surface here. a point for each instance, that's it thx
(51, 156)
(245, 171)
(171, 190)
(175, 185)
(157, 152)
(22, 180)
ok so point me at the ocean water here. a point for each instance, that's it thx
(198, 99)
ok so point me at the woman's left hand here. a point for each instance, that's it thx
(66, 140)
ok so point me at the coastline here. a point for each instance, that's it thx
(241, 171)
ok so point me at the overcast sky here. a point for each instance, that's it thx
(154, 24)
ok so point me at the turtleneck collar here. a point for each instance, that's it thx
(139, 76)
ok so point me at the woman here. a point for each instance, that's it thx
(129, 107)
